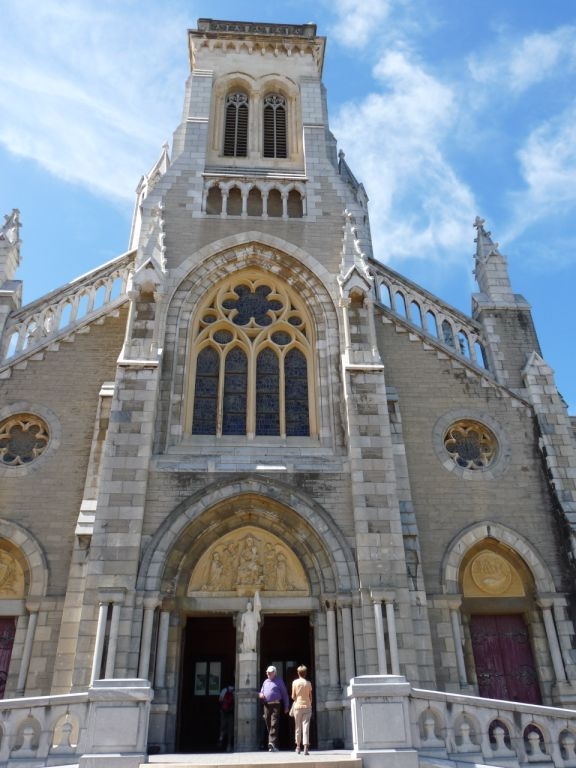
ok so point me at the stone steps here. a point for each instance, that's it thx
(320, 759)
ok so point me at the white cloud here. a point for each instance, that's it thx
(393, 140)
(358, 20)
(518, 65)
(548, 168)
(71, 83)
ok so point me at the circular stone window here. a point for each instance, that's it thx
(23, 438)
(470, 445)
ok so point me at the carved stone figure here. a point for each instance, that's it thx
(249, 624)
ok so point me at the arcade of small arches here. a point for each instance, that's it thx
(264, 200)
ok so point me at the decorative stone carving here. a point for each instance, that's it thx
(489, 573)
(249, 624)
(248, 560)
(11, 576)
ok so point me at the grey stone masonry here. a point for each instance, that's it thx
(379, 542)
(556, 440)
(505, 316)
(116, 541)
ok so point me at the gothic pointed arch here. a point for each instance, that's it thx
(252, 362)
(22, 551)
(276, 512)
(281, 356)
(470, 538)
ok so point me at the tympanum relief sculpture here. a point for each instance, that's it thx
(488, 573)
(11, 576)
(247, 560)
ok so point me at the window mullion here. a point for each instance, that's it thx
(251, 395)
(220, 408)
(281, 395)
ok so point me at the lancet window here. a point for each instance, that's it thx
(275, 126)
(252, 364)
(236, 125)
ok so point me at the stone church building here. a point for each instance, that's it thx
(248, 412)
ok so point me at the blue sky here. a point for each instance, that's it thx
(445, 109)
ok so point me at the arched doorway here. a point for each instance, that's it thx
(195, 564)
(497, 589)
(239, 571)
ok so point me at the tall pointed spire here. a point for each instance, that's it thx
(9, 246)
(491, 269)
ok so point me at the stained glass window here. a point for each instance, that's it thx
(254, 367)
(206, 392)
(22, 439)
(235, 386)
(470, 445)
(267, 394)
(296, 393)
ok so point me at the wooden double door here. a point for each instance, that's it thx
(209, 664)
(505, 667)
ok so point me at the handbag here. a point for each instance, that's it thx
(291, 712)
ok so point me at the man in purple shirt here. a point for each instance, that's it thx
(275, 698)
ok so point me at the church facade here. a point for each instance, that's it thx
(247, 441)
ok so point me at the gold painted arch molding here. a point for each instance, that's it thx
(246, 560)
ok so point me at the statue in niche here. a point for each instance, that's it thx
(249, 624)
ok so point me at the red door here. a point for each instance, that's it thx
(7, 632)
(503, 656)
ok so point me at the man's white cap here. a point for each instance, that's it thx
(271, 669)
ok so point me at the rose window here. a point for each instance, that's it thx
(22, 439)
(470, 445)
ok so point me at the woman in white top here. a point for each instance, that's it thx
(302, 695)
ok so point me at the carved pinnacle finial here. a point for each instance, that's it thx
(485, 246)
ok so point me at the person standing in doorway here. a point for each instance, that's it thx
(226, 704)
(302, 707)
(275, 699)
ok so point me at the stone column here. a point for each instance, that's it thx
(333, 666)
(348, 632)
(162, 649)
(112, 642)
(380, 641)
(454, 608)
(224, 211)
(32, 609)
(247, 703)
(99, 644)
(552, 636)
(150, 605)
(389, 598)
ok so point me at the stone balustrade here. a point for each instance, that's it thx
(105, 726)
(442, 323)
(60, 313)
(432, 727)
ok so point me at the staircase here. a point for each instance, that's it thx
(323, 759)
